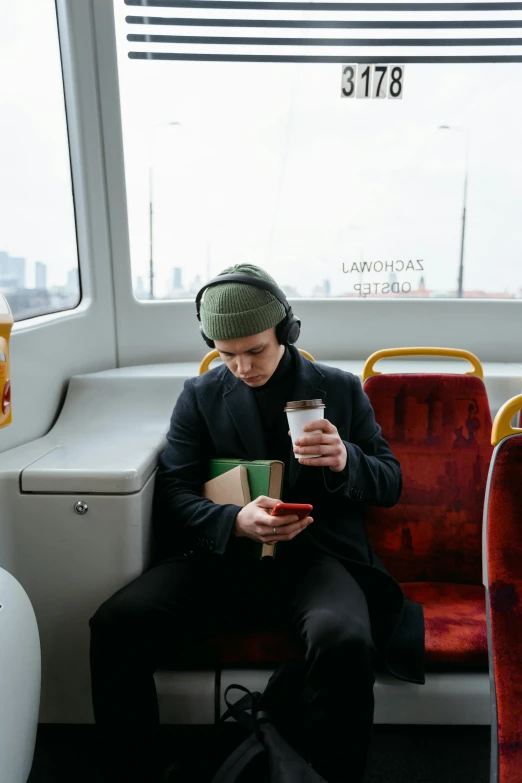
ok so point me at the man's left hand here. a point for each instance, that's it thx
(327, 442)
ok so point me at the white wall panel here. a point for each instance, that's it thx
(333, 329)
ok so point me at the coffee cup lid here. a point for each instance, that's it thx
(300, 404)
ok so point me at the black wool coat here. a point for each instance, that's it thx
(216, 415)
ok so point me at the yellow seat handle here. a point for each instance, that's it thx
(207, 360)
(502, 424)
(454, 353)
(211, 355)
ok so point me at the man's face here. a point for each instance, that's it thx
(252, 359)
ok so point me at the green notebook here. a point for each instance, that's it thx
(265, 477)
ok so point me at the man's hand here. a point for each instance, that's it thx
(254, 521)
(327, 442)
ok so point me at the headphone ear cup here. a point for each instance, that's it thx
(294, 330)
(209, 342)
(287, 330)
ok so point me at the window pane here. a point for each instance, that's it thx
(266, 163)
(38, 256)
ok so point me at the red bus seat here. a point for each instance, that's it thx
(503, 581)
(439, 428)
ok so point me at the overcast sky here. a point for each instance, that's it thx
(269, 165)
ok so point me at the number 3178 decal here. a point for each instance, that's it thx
(372, 81)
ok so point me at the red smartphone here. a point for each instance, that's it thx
(283, 509)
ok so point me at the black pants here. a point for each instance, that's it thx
(316, 599)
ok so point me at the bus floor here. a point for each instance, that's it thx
(400, 754)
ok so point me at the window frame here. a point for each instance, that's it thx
(47, 351)
(76, 177)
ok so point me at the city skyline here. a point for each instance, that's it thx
(27, 301)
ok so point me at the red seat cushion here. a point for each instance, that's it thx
(455, 618)
(439, 428)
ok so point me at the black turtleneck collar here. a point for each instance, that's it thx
(271, 399)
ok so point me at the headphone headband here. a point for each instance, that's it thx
(257, 282)
(287, 331)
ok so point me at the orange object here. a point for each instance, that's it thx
(6, 324)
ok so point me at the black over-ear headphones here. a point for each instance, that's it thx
(287, 331)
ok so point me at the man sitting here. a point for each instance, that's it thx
(325, 585)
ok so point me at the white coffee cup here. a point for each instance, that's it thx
(299, 413)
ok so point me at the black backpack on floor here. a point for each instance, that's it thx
(270, 753)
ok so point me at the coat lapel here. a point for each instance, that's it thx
(243, 410)
(309, 384)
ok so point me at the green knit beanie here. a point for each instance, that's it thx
(235, 310)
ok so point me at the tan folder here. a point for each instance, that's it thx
(229, 487)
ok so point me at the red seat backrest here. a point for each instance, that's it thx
(503, 556)
(439, 428)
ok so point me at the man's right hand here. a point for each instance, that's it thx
(254, 521)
